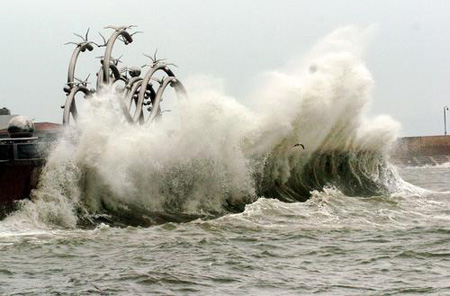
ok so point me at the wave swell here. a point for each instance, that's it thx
(225, 155)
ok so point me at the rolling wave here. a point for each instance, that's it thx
(306, 130)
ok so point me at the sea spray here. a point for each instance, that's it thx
(224, 155)
(322, 104)
(153, 171)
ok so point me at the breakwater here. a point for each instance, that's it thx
(420, 151)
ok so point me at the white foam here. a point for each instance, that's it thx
(320, 103)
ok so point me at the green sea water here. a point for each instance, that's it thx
(330, 245)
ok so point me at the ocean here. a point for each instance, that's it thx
(330, 245)
(292, 193)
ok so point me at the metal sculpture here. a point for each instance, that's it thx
(137, 92)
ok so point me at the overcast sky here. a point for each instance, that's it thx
(233, 40)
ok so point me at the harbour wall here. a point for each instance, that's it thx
(420, 151)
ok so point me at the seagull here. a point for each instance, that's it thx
(299, 144)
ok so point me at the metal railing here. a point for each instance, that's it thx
(14, 152)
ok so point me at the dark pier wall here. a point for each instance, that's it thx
(17, 180)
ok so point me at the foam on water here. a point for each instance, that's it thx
(331, 210)
(225, 155)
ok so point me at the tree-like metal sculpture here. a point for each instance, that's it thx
(137, 92)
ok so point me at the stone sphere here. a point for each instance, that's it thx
(20, 127)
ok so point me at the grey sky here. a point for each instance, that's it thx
(235, 41)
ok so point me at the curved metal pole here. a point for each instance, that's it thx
(81, 47)
(109, 48)
(145, 81)
(115, 71)
(73, 62)
(70, 106)
(128, 98)
(131, 82)
(136, 91)
(156, 109)
(99, 79)
(131, 89)
(116, 74)
(179, 88)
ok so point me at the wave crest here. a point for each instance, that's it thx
(225, 155)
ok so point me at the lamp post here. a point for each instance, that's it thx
(445, 119)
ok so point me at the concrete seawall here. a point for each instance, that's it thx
(420, 151)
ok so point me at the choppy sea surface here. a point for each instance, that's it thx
(330, 245)
(363, 230)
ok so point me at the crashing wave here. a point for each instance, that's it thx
(224, 155)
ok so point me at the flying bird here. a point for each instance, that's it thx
(299, 144)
